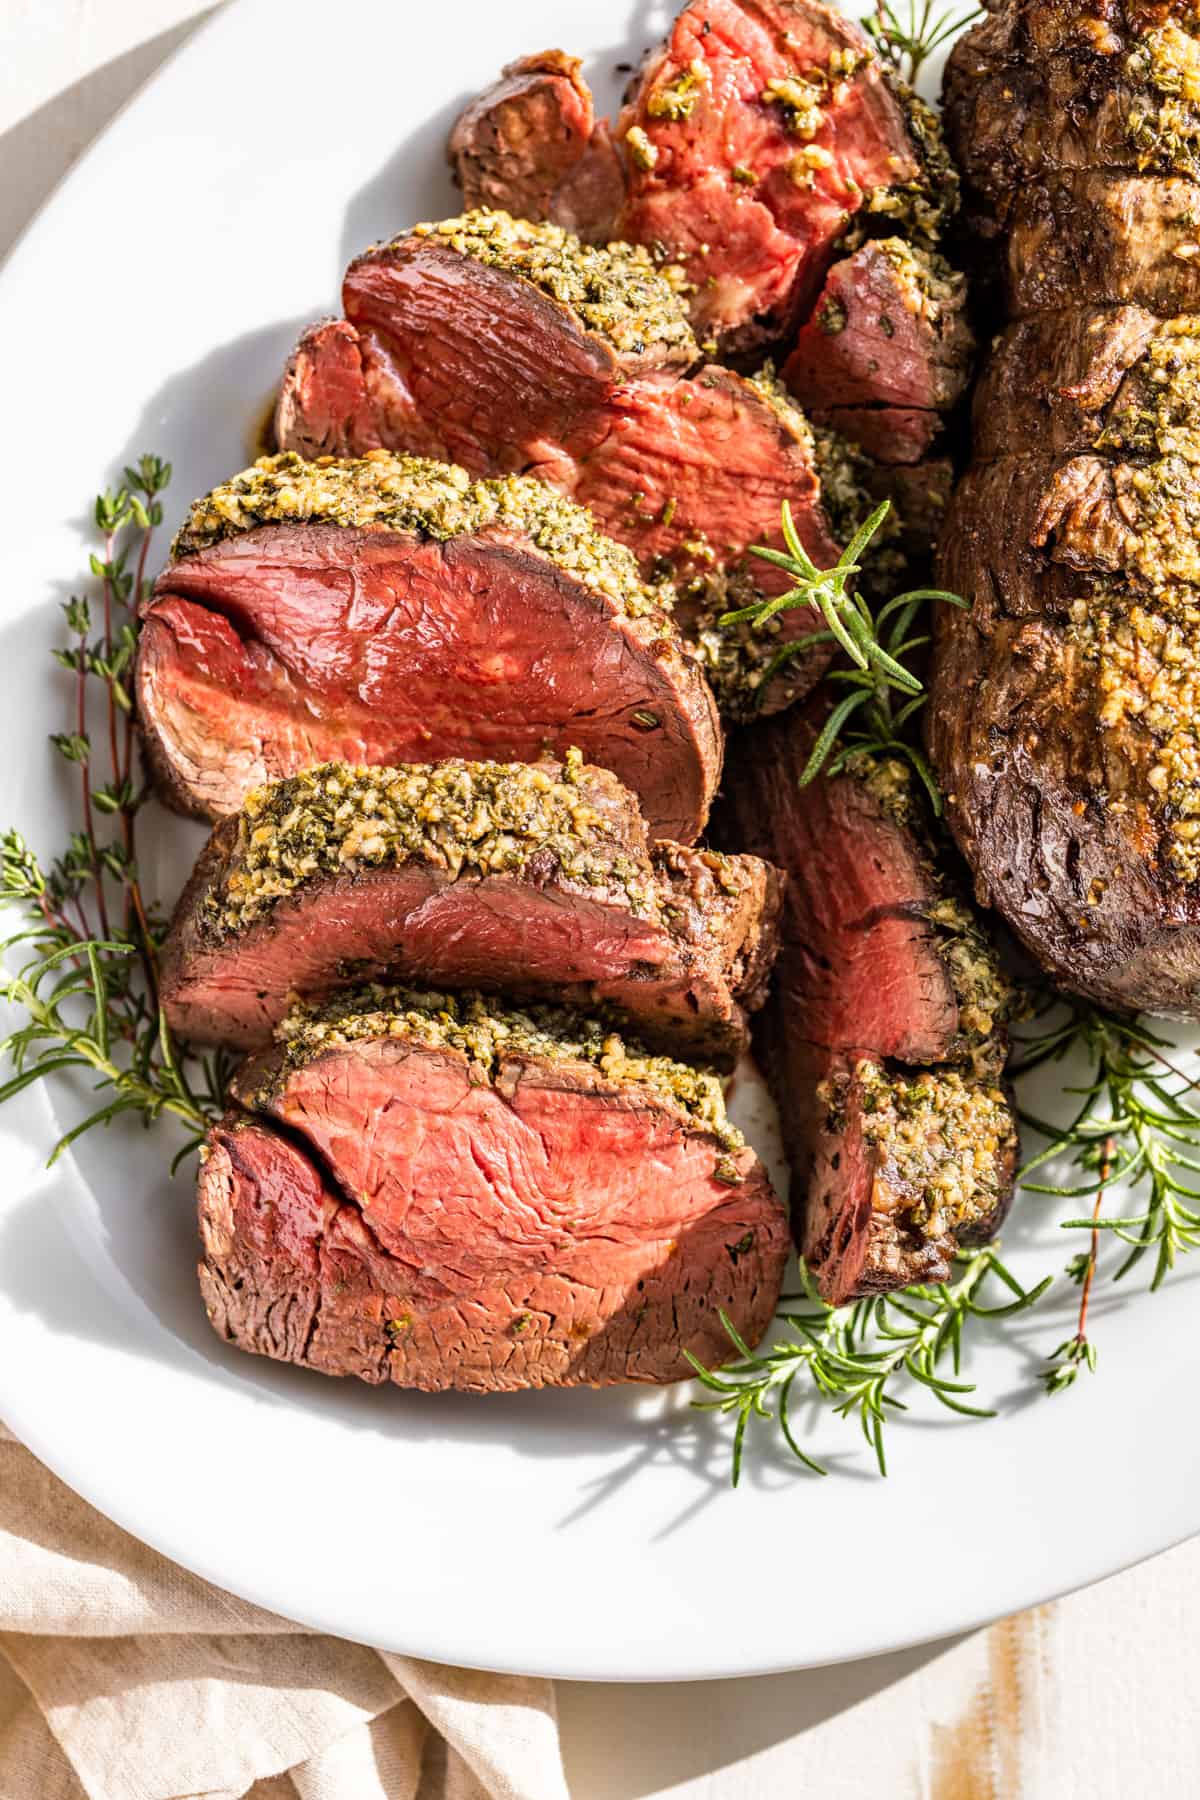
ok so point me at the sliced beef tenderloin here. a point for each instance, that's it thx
(752, 140)
(446, 1196)
(886, 350)
(391, 610)
(908, 1167)
(481, 339)
(531, 145)
(511, 347)
(882, 968)
(692, 473)
(534, 880)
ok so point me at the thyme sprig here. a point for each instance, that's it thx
(82, 974)
(1132, 1122)
(883, 695)
(855, 1356)
(908, 46)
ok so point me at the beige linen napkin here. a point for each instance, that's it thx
(122, 1677)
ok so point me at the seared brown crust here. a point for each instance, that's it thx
(1051, 809)
(1053, 382)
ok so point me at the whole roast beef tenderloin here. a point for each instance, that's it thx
(883, 1039)
(392, 610)
(1065, 722)
(444, 1194)
(535, 880)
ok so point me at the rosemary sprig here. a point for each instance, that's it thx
(882, 694)
(908, 46)
(1133, 1123)
(82, 974)
(853, 1356)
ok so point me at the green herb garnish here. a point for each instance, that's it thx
(907, 47)
(876, 642)
(86, 984)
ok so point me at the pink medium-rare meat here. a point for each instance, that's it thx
(430, 1192)
(884, 1033)
(752, 140)
(531, 145)
(533, 880)
(886, 351)
(509, 347)
(390, 610)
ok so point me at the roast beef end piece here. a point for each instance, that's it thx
(405, 1211)
(887, 1202)
(324, 406)
(535, 882)
(291, 644)
(751, 140)
(1049, 804)
(530, 145)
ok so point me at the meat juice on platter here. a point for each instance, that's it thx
(582, 524)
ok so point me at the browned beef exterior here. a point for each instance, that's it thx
(1064, 722)
(1041, 89)
(479, 625)
(530, 145)
(525, 879)
(887, 1005)
(487, 1209)
(886, 351)
(752, 140)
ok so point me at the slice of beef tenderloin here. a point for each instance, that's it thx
(446, 1195)
(531, 145)
(908, 1167)
(513, 347)
(886, 351)
(759, 669)
(391, 610)
(752, 140)
(533, 880)
(480, 339)
(883, 968)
